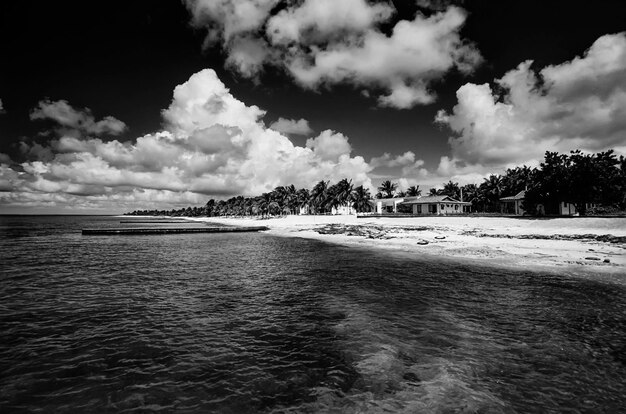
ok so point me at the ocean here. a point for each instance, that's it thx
(249, 322)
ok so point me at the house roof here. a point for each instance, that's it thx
(518, 196)
(435, 200)
(389, 201)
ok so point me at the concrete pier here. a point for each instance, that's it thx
(171, 230)
(152, 221)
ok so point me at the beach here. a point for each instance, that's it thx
(577, 244)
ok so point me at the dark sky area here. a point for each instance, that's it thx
(123, 58)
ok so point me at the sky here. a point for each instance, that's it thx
(140, 104)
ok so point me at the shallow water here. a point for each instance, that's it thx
(255, 323)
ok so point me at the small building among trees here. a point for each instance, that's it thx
(391, 205)
(513, 204)
(441, 205)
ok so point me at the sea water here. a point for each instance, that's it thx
(237, 323)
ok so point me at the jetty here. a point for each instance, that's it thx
(152, 221)
(170, 230)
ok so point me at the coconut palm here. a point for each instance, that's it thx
(388, 189)
(291, 198)
(452, 189)
(319, 194)
(339, 194)
(413, 191)
(491, 190)
(360, 199)
(471, 195)
(302, 197)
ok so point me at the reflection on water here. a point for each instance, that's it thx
(249, 322)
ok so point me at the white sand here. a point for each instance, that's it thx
(479, 238)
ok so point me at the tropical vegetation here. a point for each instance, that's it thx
(283, 200)
(577, 178)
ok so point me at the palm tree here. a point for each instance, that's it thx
(360, 199)
(262, 203)
(400, 194)
(292, 198)
(319, 195)
(491, 190)
(452, 189)
(340, 193)
(471, 195)
(414, 191)
(433, 192)
(279, 195)
(387, 188)
(302, 197)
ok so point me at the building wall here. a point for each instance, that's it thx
(344, 210)
(439, 208)
(569, 209)
(512, 207)
(384, 207)
(450, 208)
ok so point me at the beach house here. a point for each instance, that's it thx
(390, 205)
(569, 209)
(562, 208)
(513, 204)
(442, 205)
(343, 209)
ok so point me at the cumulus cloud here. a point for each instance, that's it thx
(291, 126)
(227, 19)
(329, 145)
(329, 42)
(407, 163)
(212, 145)
(77, 121)
(578, 104)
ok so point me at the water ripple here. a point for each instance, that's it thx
(237, 323)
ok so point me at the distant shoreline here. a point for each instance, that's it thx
(576, 245)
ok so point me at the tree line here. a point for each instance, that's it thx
(321, 199)
(576, 178)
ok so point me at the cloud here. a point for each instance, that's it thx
(228, 19)
(407, 162)
(2, 111)
(329, 145)
(579, 104)
(213, 145)
(387, 160)
(313, 22)
(328, 42)
(76, 121)
(292, 127)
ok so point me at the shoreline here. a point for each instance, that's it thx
(573, 245)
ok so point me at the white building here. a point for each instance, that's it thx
(344, 209)
(513, 204)
(569, 209)
(441, 205)
(390, 205)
